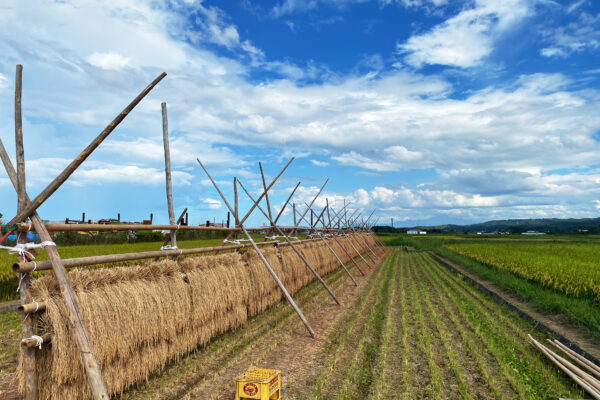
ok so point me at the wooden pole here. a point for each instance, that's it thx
(113, 258)
(82, 337)
(240, 222)
(259, 198)
(299, 253)
(123, 227)
(347, 236)
(260, 255)
(286, 203)
(313, 200)
(262, 174)
(334, 253)
(294, 210)
(62, 177)
(165, 126)
(235, 202)
(29, 371)
(280, 284)
(29, 308)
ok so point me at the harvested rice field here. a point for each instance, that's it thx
(412, 329)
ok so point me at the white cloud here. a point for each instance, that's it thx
(42, 171)
(3, 81)
(319, 163)
(467, 38)
(577, 36)
(388, 121)
(213, 204)
(287, 7)
(109, 60)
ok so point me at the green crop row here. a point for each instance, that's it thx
(570, 268)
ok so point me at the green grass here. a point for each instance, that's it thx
(581, 312)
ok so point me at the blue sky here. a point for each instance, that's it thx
(431, 111)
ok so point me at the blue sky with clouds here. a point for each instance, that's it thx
(431, 111)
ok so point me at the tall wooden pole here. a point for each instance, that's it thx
(29, 371)
(294, 210)
(165, 126)
(286, 203)
(298, 252)
(82, 337)
(260, 254)
(280, 284)
(262, 174)
(333, 252)
(62, 177)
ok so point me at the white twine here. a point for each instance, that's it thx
(169, 247)
(38, 339)
(237, 241)
(37, 307)
(21, 276)
(22, 248)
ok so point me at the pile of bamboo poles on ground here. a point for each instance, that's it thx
(142, 317)
(584, 372)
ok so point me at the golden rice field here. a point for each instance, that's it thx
(570, 268)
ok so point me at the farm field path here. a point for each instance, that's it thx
(554, 322)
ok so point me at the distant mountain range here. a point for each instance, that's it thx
(547, 225)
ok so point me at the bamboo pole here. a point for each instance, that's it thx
(260, 255)
(113, 258)
(339, 215)
(165, 126)
(286, 203)
(564, 366)
(30, 308)
(313, 201)
(82, 337)
(30, 343)
(280, 284)
(299, 253)
(365, 244)
(29, 371)
(593, 368)
(24, 227)
(240, 222)
(334, 253)
(168, 239)
(259, 198)
(357, 252)
(262, 174)
(62, 177)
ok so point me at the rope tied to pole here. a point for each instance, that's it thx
(236, 241)
(22, 249)
(38, 340)
(37, 307)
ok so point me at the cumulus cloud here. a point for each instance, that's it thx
(491, 148)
